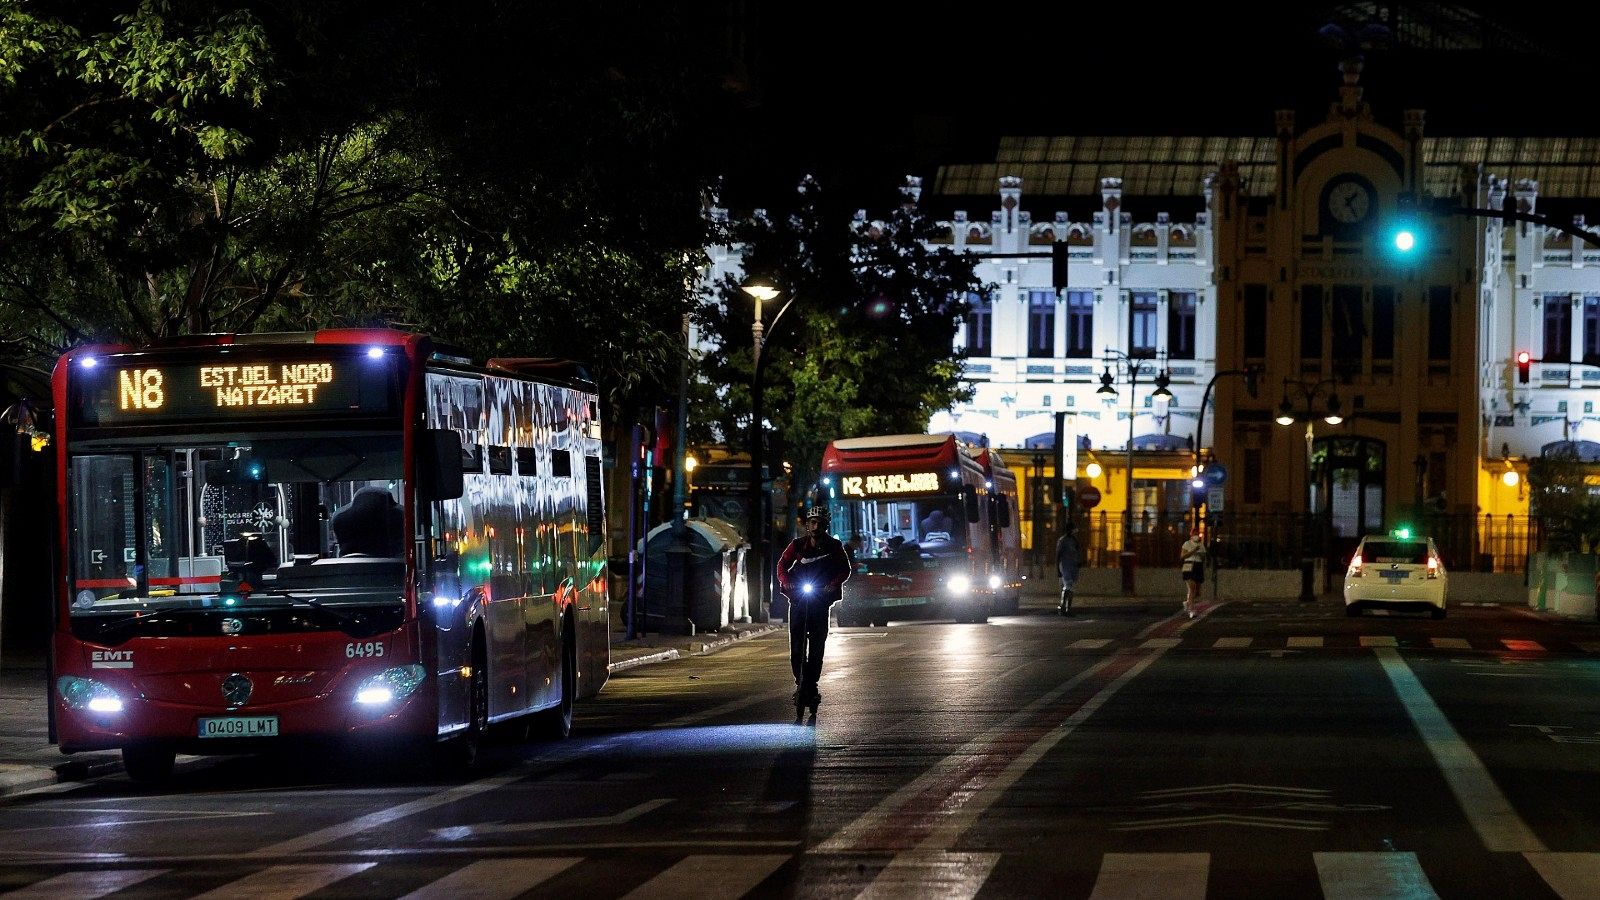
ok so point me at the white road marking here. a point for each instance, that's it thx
(462, 832)
(1222, 819)
(955, 822)
(494, 879)
(1139, 876)
(1491, 815)
(687, 880)
(1450, 643)
(85, 885)
(1589, 646)
(1573, 876)
(864, 824)
(1234, 787)
(1304, 642)
(1360, 876)
(1160, 643)
(1089, 643)
(916, 875)
(1232, 643)
(385, 816)
(1377, 640)
(284, 882)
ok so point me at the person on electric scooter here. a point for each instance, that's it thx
(811, 572)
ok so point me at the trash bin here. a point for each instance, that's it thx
(710, 564)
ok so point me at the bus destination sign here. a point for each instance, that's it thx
(885, 485)
(141, 393)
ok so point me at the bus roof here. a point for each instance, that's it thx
(894, 452)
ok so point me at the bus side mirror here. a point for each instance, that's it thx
(1002, 511)
(439, 464)
(972, 505)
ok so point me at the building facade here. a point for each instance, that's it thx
(1387, 386)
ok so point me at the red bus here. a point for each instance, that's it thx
(356, 535)
(931, 524)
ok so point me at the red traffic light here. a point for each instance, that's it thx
(1524, 358)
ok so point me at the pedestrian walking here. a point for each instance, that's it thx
(811, 573)
(1193, 556)
(1067, 566)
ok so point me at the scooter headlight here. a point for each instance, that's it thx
(959, 584)
(994, 582)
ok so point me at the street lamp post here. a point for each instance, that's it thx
(1131, 367)
(1288, 415)
(760, 290)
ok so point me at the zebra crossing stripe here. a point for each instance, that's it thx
(915, 875)
(1377, 640)
(1358, 876)
(1589, 646)
(1160, 643)
(1134, 876)
(1306, 643)
(1450, 643)
(1511, 644)
(1232, 643)
(284, 882)
(686, 880)
(1089, 643)
(85, 885)
(1571, 875)
(494, 879)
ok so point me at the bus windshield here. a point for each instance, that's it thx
(289, 524)
(895, 535)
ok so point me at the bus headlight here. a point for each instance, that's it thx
(86, 693)
(959, 584)
(391, 684)
(994, 582)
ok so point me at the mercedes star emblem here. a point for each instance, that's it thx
(236, 689)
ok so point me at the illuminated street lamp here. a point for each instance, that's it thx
(761, 290)
(1130, 368)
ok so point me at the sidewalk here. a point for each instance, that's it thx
(28, 761)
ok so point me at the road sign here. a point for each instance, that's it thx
(1089, 496)
(1214, 499)
(1214, 473)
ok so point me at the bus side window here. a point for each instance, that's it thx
(1002, 511)
(439, 465)
(971, 501)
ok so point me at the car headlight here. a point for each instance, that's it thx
(959, 584)
(86, 693)
(396, 683)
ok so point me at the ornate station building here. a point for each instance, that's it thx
(1386, 381)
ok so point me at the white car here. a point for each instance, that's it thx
(1398, 571)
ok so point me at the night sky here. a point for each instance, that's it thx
(864, 97)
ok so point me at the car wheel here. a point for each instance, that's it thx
(1352, 609)
(555, 723)
(1437, 612)
(880, 623)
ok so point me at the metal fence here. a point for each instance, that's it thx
(1281, 540)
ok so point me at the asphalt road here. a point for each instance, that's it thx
(1263, 749)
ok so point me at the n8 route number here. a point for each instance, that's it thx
(363, 649)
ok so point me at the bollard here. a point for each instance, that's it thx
(1126, 558)
(1308, 568)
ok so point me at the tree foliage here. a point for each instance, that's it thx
(1566, 499)
(867, 346)
(519, 179)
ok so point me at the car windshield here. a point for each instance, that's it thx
(1409, 552)
(271, 524)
